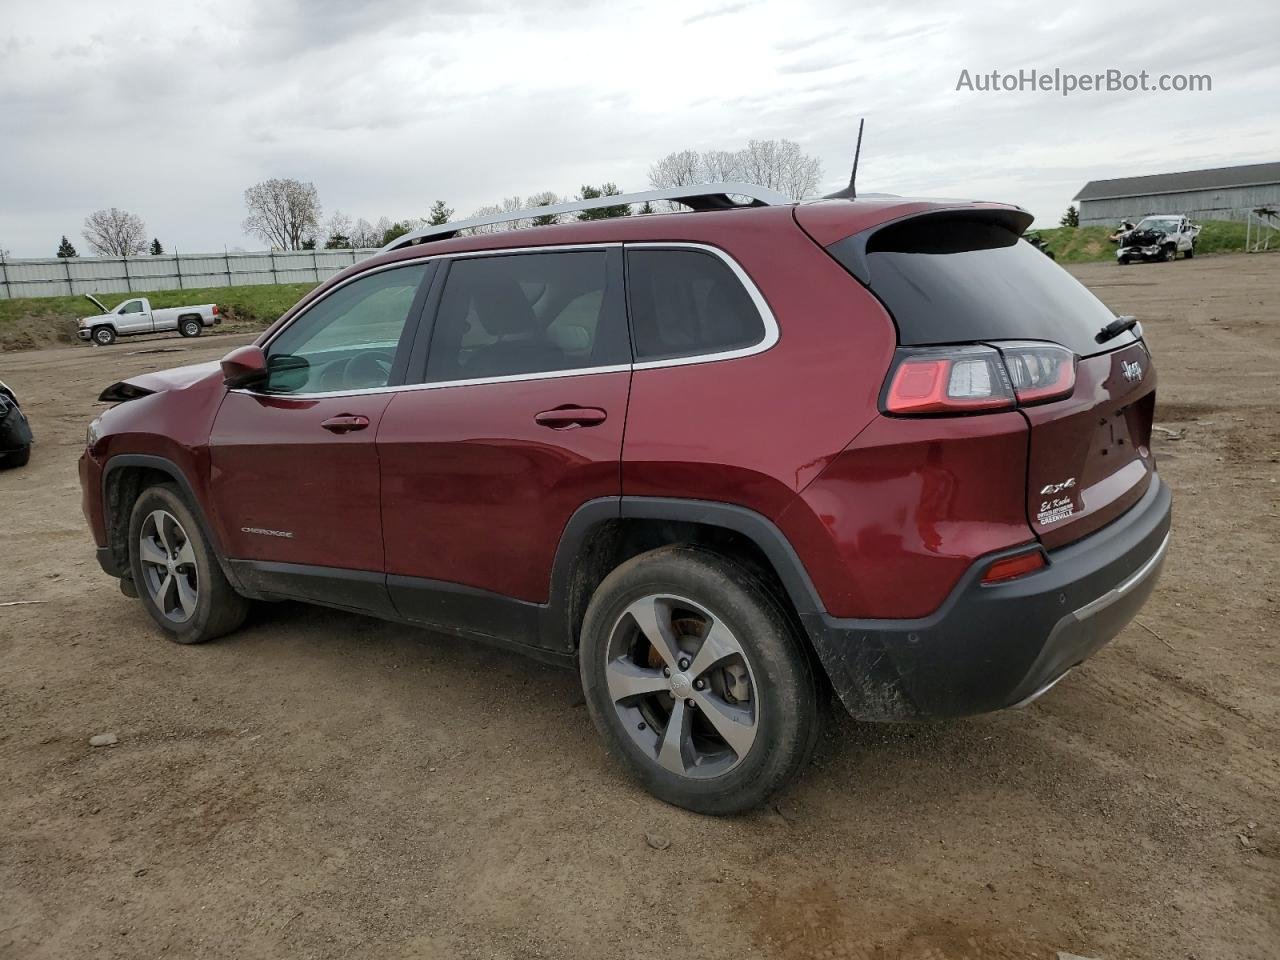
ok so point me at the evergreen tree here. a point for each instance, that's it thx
(1071, 218)
(646, 208)
(309, 243)
(338, 241)
(440, 214)
(602, 213)
(156, 249)
(65, 249)
(394, 231)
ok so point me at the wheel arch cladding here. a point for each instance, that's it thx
(606, 533)
(124, 478)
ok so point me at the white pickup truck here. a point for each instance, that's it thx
(136, 316)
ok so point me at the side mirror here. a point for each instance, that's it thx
(244, 367)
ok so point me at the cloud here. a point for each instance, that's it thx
(172, 110)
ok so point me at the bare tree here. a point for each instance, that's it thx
(282, 212)
(364, 235)
(778, 164)
(781, 165)
(677, 169)
(337, 231)
(508, 205)
(719, 166)
(115, 233)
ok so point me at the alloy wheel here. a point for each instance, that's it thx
(169, 566)
(682, 686)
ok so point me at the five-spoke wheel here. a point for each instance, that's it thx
(177, 575)
(698, 679)
(169, 571)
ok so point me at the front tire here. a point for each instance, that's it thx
(696, 678)
(1170, 254)
(104, 336)
(178, 578)
(189, 328)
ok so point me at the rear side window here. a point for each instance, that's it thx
(954, 279)
(687, 303)
(527, 313)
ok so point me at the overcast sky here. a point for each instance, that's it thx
(171, 109)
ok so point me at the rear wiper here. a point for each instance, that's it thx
(1116, 327)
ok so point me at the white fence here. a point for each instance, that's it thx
(56, 277)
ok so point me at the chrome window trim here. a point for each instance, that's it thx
(771, 331)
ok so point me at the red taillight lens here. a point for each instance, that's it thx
(978, 378)
(1019, 565)
(1039, 372)
(948, 380)
(215, 309)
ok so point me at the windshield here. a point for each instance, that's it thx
(1162, 224)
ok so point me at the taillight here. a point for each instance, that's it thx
(977, 378)
(1019, 565)
(215, 309)
(1039, 372)
(948, 380)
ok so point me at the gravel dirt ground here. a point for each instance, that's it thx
(322, 785)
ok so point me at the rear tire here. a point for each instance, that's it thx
(683, 636)
(189, 327)
(1190, 252)
(104, 336)
(1122, 261)
(178, 577)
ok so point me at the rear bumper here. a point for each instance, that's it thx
(996, 646)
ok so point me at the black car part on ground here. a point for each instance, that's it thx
(15, 432)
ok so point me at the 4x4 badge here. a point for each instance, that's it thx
(1049, 488)
(1132, 371)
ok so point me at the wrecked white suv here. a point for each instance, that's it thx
(1159, 238)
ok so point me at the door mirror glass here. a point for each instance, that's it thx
(244, 367)
(287, 373)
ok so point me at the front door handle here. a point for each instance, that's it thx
(565, 418)
(345, 423)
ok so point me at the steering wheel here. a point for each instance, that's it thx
(371, 369)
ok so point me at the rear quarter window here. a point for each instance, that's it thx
(688, 303)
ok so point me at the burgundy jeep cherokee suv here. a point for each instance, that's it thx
(717, 460)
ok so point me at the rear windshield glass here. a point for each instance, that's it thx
(959, 280)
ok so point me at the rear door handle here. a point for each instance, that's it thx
(345, 423)
(565, 418)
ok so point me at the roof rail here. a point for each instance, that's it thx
(700, 196)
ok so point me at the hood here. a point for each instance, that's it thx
(178, 378)
(96, 302)
(1145, 238)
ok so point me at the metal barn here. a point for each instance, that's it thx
(1222, 193)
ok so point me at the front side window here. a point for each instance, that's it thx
(348, 340)
(526, 313)
(688, 303)
(133, 306)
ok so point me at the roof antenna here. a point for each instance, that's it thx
(851, 191)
